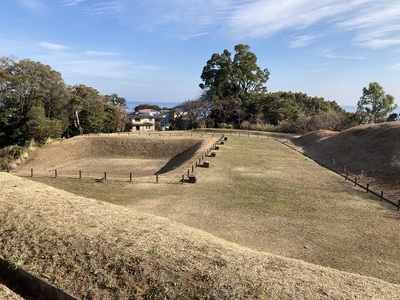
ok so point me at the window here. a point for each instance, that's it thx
(137, 120)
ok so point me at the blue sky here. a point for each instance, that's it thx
(153, 51)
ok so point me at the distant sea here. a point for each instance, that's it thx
(349, 108)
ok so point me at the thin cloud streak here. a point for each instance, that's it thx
(265, 18)
(72, 2)
(32, 4)
(328, 53)
(53, 47)
(302, 41)
(373, 24)
(395, 67)
(100, 53)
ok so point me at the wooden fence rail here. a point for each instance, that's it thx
(346, 177)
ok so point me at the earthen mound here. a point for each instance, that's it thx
(370, 150)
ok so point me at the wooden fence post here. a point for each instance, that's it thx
(105, 176)
(355, 180)
(381, 195)
(156, 177)
(367, 187)
(130, 177)
(31, 172)
(347, 175)
(188, 172)
(55, 173)
(398, 206)
(80, 174)
(183, 178)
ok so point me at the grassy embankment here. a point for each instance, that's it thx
(262, 195)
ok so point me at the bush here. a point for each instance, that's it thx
(9, 155)
(258, 126)
(16, 152)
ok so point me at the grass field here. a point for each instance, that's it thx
(264, 196)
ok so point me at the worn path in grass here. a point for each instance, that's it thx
(262, 195)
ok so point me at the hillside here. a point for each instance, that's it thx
(369, 151)
(96, 250)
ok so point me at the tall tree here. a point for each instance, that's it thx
(374, 105)
(86, 110)
(24, 85)
(234, 82)
(117, 113)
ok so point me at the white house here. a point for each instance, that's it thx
(144, 120)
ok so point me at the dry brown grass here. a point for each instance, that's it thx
(92, 249)
(119, 155)
(257, 193)
(7, 294)
(370, 152)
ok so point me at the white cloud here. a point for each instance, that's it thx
(106, 69)
(376, 24)
(329, 53)
(379, 37)
(368, 23)
(114, 8)
(264, 18)
(395, 67)
(52, 47)
(99, 53)
(94, 68)
(32, 4)
(72, 2)
(302, 40)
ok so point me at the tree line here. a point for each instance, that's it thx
(36, 104)
(235, 96)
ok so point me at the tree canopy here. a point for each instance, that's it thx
(374, 105)
(232, 84)
(35, 103)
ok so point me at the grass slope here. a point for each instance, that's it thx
(119, 155)
(371, 150)
(261, 194)
(92, 249)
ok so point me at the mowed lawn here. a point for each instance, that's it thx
(263, 195)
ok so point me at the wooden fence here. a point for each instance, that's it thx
(348, 178)
(199, 161)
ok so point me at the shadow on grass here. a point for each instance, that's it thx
(179, 159)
